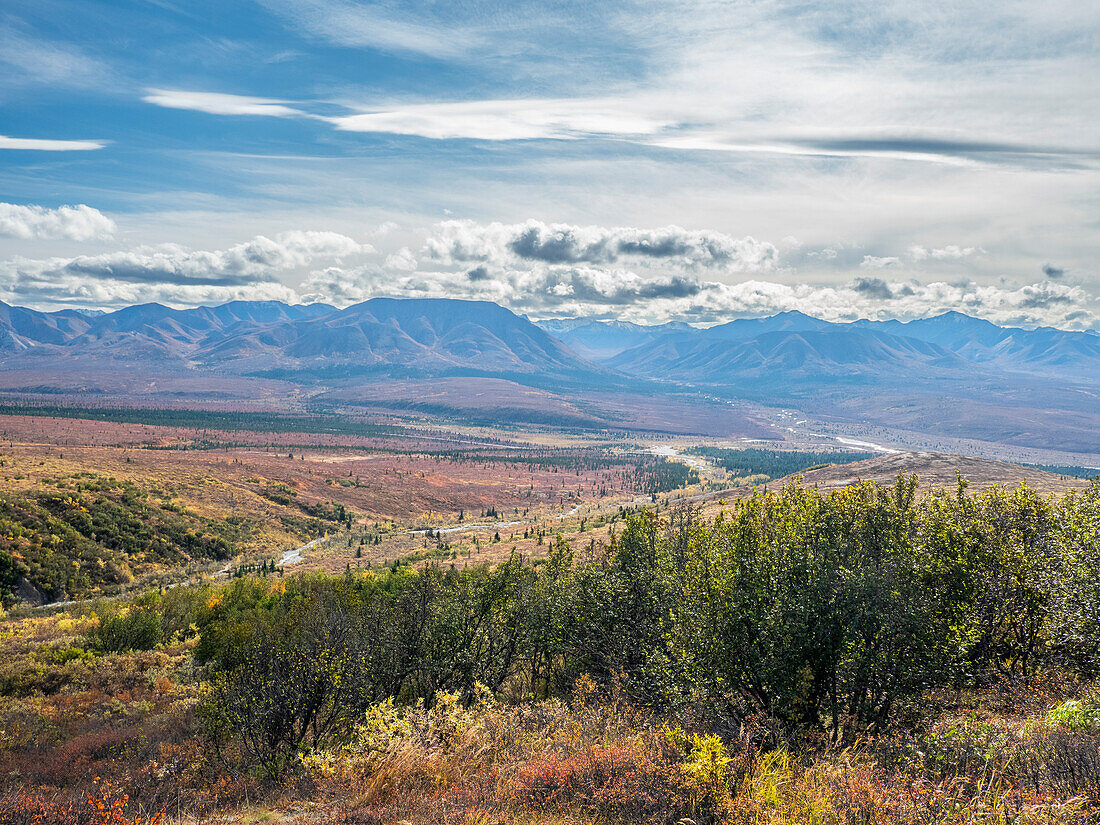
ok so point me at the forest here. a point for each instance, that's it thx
(869, 654)
(764, 465)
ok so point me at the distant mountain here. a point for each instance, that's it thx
(780, 355)
(600, 340)
(1043, 350)
(425, 335)
(22, 328)
(443, 335)
(795, 345)
(742, 329)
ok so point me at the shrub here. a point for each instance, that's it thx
(1075, 716)
(133, 629)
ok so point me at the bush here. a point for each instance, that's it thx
(1075, 716)
(133, 629)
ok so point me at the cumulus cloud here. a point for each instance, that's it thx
(216, 103)
(402, 260)
(46, 145)
(175, 271)
(537, 242)
(670, 273)
(873, 288)
(77, 223)
(1052, 271)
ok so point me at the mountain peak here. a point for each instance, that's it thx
(953, 316)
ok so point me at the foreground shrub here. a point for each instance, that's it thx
(104, 808)
(133, 629)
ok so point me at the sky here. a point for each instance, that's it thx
(646, 161)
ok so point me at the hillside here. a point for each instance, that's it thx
(781, 355)
(429, 336)
(940, 470)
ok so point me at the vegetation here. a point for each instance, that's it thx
(90, 533)
(230, 421)
(1068, 470)
(769, 464)
(856, 656)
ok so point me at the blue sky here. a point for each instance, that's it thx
(640, 160)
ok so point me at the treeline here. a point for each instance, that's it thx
(92, 534)
(1068, 470)
(210, 419)
(816, 612)
(753, 461)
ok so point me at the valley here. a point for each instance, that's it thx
(949, 382)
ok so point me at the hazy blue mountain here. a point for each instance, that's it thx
(440, 335)
(783, 355)
(22, 328)
(600, 340)
(1043, 349)
(426, 334)
(742, 329)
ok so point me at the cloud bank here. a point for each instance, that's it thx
(175, 274)
(542, 269)
(555, 291)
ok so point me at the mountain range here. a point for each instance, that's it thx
(244, 337)
(946, 374)
(792, 345)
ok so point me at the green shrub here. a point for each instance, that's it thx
(1075, 716)
(135, 629)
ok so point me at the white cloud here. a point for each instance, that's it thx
(949, 252)
(559, 119)
(873, 262)
(81, 292)
(78, 223)
(216, 103)
(46, 145)
(402, 260)
(554, 291)
(248, 271)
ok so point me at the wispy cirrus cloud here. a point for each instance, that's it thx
(49, 144)
(217, 103)
(498, 120)
(377, 26)
(78, 223)
(32, 60)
